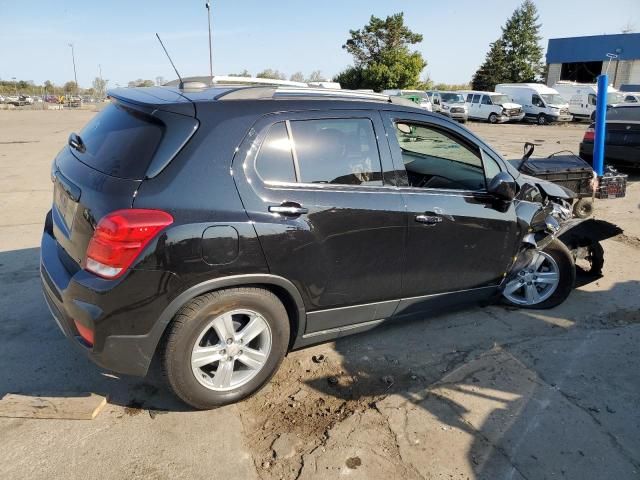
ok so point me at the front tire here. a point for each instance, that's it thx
(545, 282)
(583, 208)
(542, 119)
(224, 346)
(493, 118)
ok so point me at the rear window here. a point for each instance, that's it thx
(120, 142)
(631, 113)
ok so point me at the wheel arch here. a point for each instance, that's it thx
(286, 292)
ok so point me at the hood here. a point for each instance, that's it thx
(548, 188)
(510, 105)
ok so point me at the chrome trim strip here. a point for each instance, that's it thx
(346, 328)
(296, 164)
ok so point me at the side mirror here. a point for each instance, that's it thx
(503, 186)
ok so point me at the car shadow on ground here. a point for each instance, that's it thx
(36, 358)
(517, 387)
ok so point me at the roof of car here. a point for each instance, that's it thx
(183, 99)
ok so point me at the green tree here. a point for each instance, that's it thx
(297, 77)
(382, 56)
(273, 74)
(516, 57)
(521, 37)
(141, 83)
(70, 87)
(243, 73)
(493, 70)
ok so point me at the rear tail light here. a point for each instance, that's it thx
(120, 237)
(85, 332)
(589, 135)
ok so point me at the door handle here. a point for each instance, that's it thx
(289, 209)
(429, 219)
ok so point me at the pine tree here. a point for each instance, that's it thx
(522, 44)
(493, 70)
(516, 57)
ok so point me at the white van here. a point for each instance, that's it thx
(582, 98)
(450, 104)
(417, 96)
(540, 103)
(492, 107)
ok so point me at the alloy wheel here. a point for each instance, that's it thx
(534, 283)
(231, 349)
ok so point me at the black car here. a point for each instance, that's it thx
(221, 226)
(622, 139)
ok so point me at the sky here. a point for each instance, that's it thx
(289, 36)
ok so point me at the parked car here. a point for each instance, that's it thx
(582, 98)
(221, 226)
(492, 107)
(622, 139)
(631, 97)
(540, 103)
(2, 99)
(451, 104)
(418, 97)
(73, 101)
(18, 100)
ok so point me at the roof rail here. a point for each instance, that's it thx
(225, 79)
(274, 92)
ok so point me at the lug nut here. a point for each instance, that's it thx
(529, 283)
(223, 352)
(229, 358)
(229, 341)
(240, 353)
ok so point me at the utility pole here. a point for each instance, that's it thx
(73, 59)
(208, 5)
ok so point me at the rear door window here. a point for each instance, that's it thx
(120, 142)
(476, 99)
(337, 151)
(275, 158)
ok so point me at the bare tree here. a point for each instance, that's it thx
(297, 77)
(316, 76)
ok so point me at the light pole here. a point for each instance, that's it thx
(208, 5)
(73, 59)
(15, 84)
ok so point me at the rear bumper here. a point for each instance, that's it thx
(122, 313)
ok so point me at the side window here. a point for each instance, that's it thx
(436, 99)
(437, 158)
(486, 100)
(275, 159)
(337, 151)
(536, 101)
(491, 167)
(469, 97)
(630, 99)
(476, 99)
(592, 99)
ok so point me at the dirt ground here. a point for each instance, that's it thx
(481, 393)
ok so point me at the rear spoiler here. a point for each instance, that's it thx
(165, 99)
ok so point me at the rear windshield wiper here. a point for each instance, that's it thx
(76, 143)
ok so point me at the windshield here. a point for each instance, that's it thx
(614, 97)
(499, 99)
(452, 97)
(553, 99)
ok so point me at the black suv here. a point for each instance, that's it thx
(222, 226)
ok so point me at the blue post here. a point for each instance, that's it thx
(601, 118)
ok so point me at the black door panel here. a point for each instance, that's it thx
(340, 244)
(456, 239)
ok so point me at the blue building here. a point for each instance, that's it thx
(582, 59)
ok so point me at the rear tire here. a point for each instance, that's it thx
(195, 336)
(583, 208)
(556, 259)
